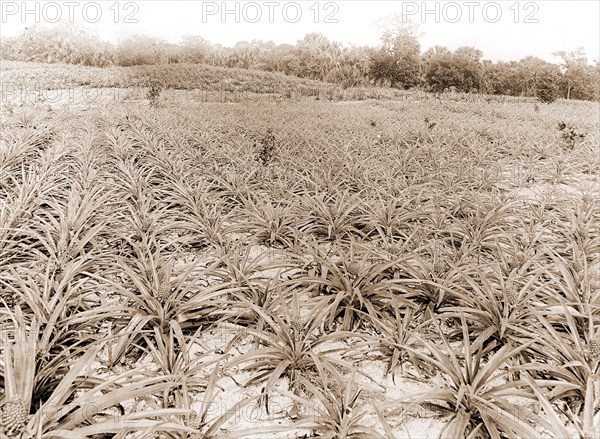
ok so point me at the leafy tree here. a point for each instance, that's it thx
(353, 68)
(503, 78)
(278, 59)
(359, 58)
(435, 52)
(460, 70)
(398, 59)
(468, 62)
(314, 56)
(578, 79)
(249, 55)
(140, 50)
(62, 43)
(440, 71)
(541, 78)
(547, 87)
(195, 49)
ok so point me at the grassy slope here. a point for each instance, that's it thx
(38, 76)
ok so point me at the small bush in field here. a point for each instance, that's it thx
(153, 94)
(547, 91)
(569, 135)
(266, 148)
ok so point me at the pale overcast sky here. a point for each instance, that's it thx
(503, 30)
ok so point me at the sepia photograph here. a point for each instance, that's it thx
(303, 219)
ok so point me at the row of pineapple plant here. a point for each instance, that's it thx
(129, 236)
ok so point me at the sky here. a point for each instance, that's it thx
(502, 30)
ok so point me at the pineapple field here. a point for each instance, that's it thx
(297, 260)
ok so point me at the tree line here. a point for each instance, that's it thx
(397, 62)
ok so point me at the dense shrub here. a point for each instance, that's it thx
(397, 62)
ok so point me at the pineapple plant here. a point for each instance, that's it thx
(512, 295)
(353, 269)
(267, 147)
(518, 259)
(19, 374)
(439, 266)
(163, 293)
(510, 290)
(434, 238)
(194, 421)
(14, 415)
(297, 326)
(594, 347)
